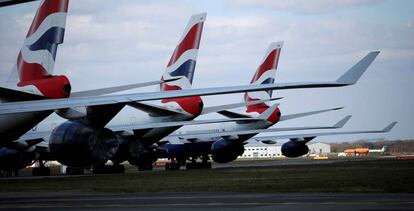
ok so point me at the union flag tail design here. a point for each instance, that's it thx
(265, 74)
(36, 58)
(182, 65)
(183, 60)
(35, 62)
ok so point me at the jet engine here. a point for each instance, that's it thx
(292, 149)
(11, 160)
(224, 151)
(76, 144)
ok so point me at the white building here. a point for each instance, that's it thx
(260, 150)
(317, 149)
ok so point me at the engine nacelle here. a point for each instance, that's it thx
(292, 149)
(224, 151)
(76, 144)
(11, 159)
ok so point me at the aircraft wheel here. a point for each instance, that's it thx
(41, 171)
(74, 171)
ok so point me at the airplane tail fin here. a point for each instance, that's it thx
(183, 60)
(182, 65)
(265, 74)
(36, 58)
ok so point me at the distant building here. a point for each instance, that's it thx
(260, 150)
(318, 149)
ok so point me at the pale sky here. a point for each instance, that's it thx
(119, 42)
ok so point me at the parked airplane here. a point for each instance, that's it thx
(92, 107)
(32, 77)
(228, 148)
(107, 145)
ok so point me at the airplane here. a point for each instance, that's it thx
(172, 77)
(32, 76)
(92, 107)
(348, 78)
(181, 147)
(226, 149)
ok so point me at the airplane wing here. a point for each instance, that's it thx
(348, 78)
(109, 90)
(197, 136)
(118, 128)
(310, 136)
(178, 123)
(298, 115)
(4, 3)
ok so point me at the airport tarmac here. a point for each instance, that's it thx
(205, 201)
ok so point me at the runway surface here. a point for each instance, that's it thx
(205, 201)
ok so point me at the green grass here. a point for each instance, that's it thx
(382, 176)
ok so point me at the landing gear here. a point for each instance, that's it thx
(74, 171)
(108, 169)
(145, 167)
(173, 165)
(41, 170)
(204, 164)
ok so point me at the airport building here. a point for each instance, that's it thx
(319, 149)
(260, 150)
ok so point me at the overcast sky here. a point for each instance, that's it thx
(112, 42)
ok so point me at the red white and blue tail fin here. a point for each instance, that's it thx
(182, 65)
(183, 60)
(265, 74)
(36, 58)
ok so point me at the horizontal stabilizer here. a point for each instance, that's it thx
(154, 110)
(298, 115)
(15, 95)
(110, 90)
(220, 108)
(232, 114)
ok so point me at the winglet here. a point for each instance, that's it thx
(353, 74)
(342, 122)
(389, 127)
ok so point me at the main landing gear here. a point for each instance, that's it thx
(41, 169)
(116, 168)
(204, 164)
(145, 167)
(174, 164)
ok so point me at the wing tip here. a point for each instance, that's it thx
(342, 122)
(389, 127)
